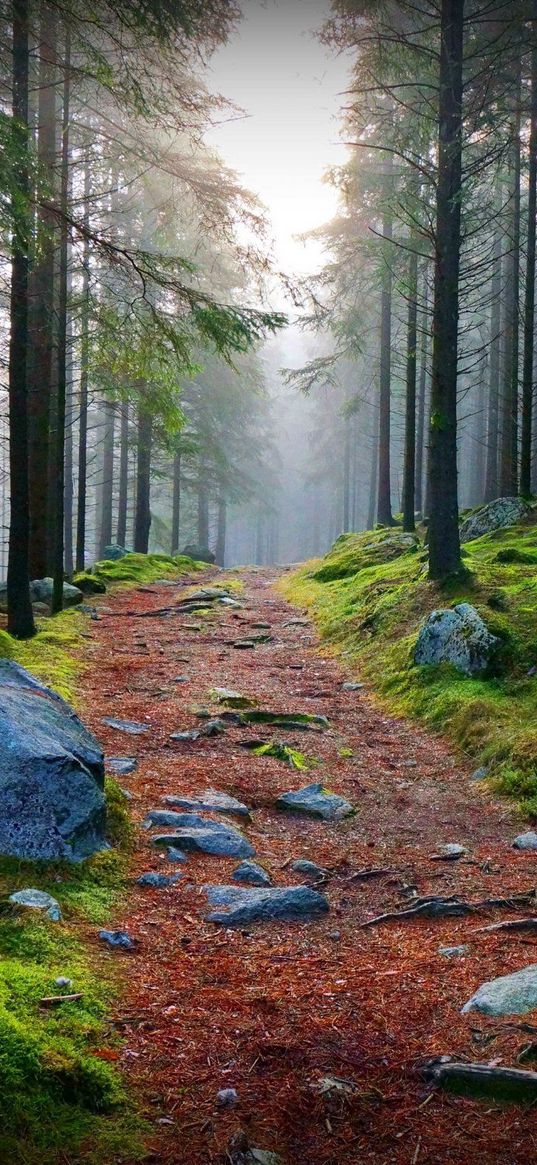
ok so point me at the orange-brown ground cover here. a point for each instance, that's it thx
(273, 1011)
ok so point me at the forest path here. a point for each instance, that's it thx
(276, 1009)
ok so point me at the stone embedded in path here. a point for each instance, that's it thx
(122, 766)
(175, 855)
(456, 635)
(211, 801)
(450, 852)
(316, 801)
(310, 869)
(38, 900)
(349, 686)
(131, 727)
(117, 938)
(159, 881)
(190, 734)
(246, 906)
(526, 840)
(180, 820)
(454, 952)
(52, 802)
(252, 873)
(232, 698)
(510, 995)
(243, 645)
(223, 843)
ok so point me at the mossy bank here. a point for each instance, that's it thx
(369, 597)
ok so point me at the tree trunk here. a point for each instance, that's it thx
(107, 486)
(491, 471)
(203, 515)
(43, 279)
(123, 492)
(69, 492)
(176, 502)
(83, 421)
(373, 481)
(220, 548)
(409, 477)
(384, 504)
(529, 305)
(20, 621)
(509, 436)
(142, 516)
(422, 394)
(59, 458)
(347, 476)
(444, 544)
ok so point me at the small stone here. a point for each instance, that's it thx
(454, 952)
(310, 869)
(131, 727)
(212, 801)
(38, 900)
(227, 1097)
(480, 774)
(509, 995)
(315, 801)
(526, 840)
(190, 734)
(263, 905)
(224, 843)
(451, 851)
(159, 881)
(117, 938)
(351, 687)
(334, 935)
(252, 873)
(63, 981)
(122, 766)
(180, 680)
(175, 855)
(243, 645)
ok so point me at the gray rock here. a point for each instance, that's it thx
(497, 514)
(451, 851)
(62, 981)
(114, 552)
(38, 900)
(526, 840)
(224, 843)
(351, 687)
(206, 595)
(246, 906)
(252, 873)
(316, 802)
(189, 734)
(52, 803)
(131, 727)
(310, 869)
(41, 595)
(211, 801)
(262, 1157)
(184, 820)
(159, 881)
(117, 938)
(121, 765)
(480, 774)
(510, 995)
(227, 1097)
(175, 855)
(458, 636)
(454, 952)
(199, 553)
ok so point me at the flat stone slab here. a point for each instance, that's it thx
(526, 841)
(315, 801)
(309, 869)
(251, 873)
(131, 727)
(117, 938)
(167, 817)
(121, 765)
(454, 952)
(175, 855)
(158, 881)
(222, 843)
(246, 906)
(211, 801)
(509, 995)
(38, 900)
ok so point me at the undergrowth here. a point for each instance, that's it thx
(142, 568)
(371, 611)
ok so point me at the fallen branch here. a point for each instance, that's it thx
(55, 1000)
(511, 1085)
(515, 924)
(363, 875)
(450, 907)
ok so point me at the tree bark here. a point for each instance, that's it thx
(176, 502)
(107, 486)
(384, 504)
(529, 304)
(373, 480)
(220, 548)
(203, 514)
(409, 476)
(142, 516)
(20, 616)
(509, 435)
(444, 544)
(422, 395)
(59, 452)
(123, 492)
(80, 557)
(491, 471)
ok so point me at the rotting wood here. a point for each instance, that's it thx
(449, 907)
(510, 1085)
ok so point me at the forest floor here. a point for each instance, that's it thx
(320, 1026)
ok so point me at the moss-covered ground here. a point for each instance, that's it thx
(370, 611)
(61, 1093)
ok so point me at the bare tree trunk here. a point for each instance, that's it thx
(80, 556)
(422, 394)
(59, 459)
(69, 491)
(142, 516)
(347, 476)
(373, 482)
(509, 436)
(529, 305)
(384, 503)
(20, 620)
(107, 486)
(123, 491)
(176, 502)
(491, 471)
(203, 514)
(220, 548)
(409, 478)
(444, 544)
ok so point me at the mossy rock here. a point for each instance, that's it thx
(89, 584)
(352, 553)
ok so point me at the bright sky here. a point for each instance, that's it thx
(291, 89)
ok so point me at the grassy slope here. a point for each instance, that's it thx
(372, 613)
(61, 1095)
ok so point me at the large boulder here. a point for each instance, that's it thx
(41, 591)
(494, 516)
(114, 552)
(199, 553)
(52, 802)
(513, 994)
(352, 553)
(456, 635)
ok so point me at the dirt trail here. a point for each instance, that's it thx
(274, 1011)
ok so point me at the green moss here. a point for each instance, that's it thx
(374, 616)
(144, 568)
(54, 654)
(352, 553)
